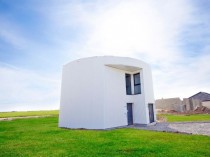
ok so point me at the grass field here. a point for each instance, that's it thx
(42, 137)
(169, 117)
(185, 118)
(28, 113)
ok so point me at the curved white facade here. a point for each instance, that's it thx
(93, 93)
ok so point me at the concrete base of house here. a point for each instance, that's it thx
(153, 123)
(144, 125)
(117, 127)
(131, 126)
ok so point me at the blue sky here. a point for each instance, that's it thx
(37, 37)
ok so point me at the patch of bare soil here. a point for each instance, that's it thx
(198, 110)
(161, 119)
(159, 111)
(13, 118)
(202, 109)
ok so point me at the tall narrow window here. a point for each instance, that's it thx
(137, 83)
(128, 84)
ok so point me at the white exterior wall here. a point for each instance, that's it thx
(115, 110)
(93, 94)
(148, 90)
(82, 95)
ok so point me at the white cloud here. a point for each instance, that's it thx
(187, 77)
(134, 28)
(12, 34)
(144, 29)
(26, 90)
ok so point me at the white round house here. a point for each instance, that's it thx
(105, 92)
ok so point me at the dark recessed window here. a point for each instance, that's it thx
(128, 84)
(137, 83)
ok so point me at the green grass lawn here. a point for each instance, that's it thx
(42, 137)
(185, 118)
(28, 113)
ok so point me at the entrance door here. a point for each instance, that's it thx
(151, 113)
(129, 113)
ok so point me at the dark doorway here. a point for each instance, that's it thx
(130, 113)
(151, 113)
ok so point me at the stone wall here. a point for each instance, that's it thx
(194, 103)
(170, 104)
(188, 104)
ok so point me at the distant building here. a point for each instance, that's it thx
(187, 104)
(202, 98)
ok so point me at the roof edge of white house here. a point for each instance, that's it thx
(106, 57)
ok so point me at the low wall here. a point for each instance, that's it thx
(178, 105)
(169, 104)
(194, 103)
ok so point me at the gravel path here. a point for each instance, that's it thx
(199, 128)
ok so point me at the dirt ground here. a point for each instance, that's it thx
(13, 118)
(199, 110)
